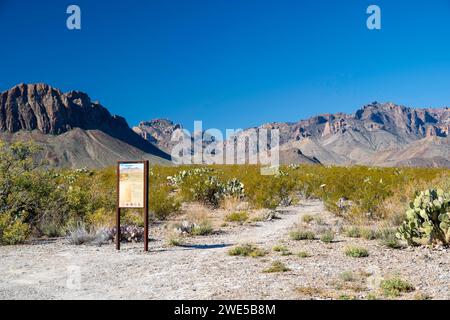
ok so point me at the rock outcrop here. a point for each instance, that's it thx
(46, 111)
(383, 134)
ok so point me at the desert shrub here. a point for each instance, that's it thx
(132, 217)
(282, 249)
(238, 216)
(100, 217)
(422, 296)
(356, 252)
(303, 254)
(302, 235)
(27, 194)
(327, 236)
(12, 231)
(307, 218)
(175, 241)
(365, 187)
(353, 232)
(162, 204)
(272, 192)
(203, 229)
(50, 202)
(391, 243)
(427, 219)
(394, 287)
(277, 266)
(279, 248)
(369, 234)
(246, 250)
(80, 235)
(205, 185)
(51, 229)
(347, 276)
(388, 238)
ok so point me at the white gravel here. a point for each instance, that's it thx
(204, 270)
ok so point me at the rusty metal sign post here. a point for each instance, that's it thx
(132, 192)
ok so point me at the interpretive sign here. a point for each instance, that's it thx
(131, 185)
(132, 192)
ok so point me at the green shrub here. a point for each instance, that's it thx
(282, 249)
(388, 238)
(51, 229)
(51, 201)
(246, 250)
(12, 231)
(394, 287)
(100, 217)
(303, 254)
(302, 235)
(307, 218)
(327, 237)
(353, 232)
(238, 216)
(203, 229)
(175, 241)
(204, 185)
(356, 252)
(371, 296)
(369, 234)
(132, 217)
(162, 204)
(277, 266)
(347, 276)
(427, 219)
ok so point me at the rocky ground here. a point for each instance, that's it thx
(202, 268)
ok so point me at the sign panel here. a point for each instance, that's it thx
(131, 185)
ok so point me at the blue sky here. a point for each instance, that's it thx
(231, 63)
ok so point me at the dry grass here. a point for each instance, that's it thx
(230, 204)
(197, 213)
(394, 287)
(247, 250)
(277, 266)
(315, 292)
(356, 252)
(238, 216)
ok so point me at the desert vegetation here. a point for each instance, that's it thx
(38, 201)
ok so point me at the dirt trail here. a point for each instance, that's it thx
(200, 270)
(204, 270)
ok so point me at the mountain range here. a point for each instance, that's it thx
(74, 131)
(378, 134)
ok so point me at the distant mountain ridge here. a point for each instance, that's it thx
(70, 127)
(380, 134)
(158, 131)
(75, 132)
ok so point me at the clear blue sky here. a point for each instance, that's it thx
(231, 63)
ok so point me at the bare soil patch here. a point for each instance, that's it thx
(202, 268)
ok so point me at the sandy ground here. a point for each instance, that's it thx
(203, 269)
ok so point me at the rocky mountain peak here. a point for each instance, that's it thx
(40, 107)
(158, 131)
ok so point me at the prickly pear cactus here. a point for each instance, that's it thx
(427, 219)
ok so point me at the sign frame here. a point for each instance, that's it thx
(145, 204)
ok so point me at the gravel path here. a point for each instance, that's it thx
(203, 270)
